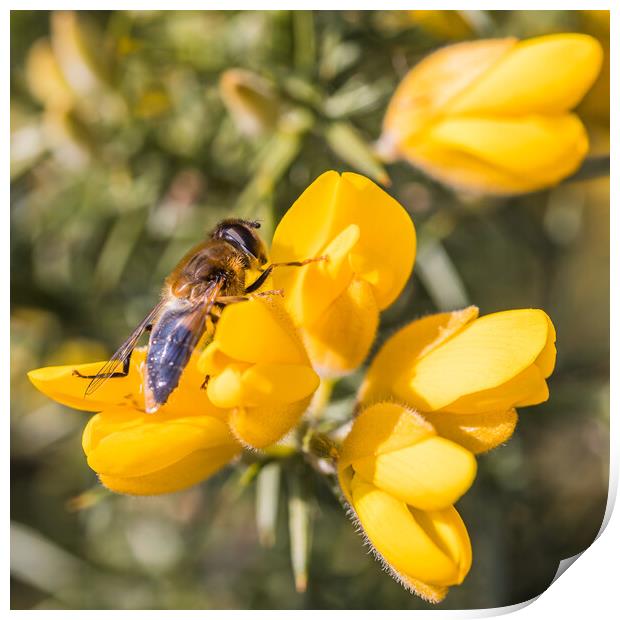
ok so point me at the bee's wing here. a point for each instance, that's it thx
(124, 351)
(172, 342)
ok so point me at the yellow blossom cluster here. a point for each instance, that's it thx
(438, 391)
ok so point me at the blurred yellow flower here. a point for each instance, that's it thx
(467, 374)
(45, 78)
(250, 99)
(258, 371)
(137, 453)
(401, 480)
(77, 50)
(442, 24)
(493, 116)
(369, 241)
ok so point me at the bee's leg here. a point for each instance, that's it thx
(259, 281)
(234, 299)
(110, 375)
(273, 291)
(267, 272)
(205, 382)
(215, 313)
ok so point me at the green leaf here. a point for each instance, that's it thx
(267, 500)
(300, 512)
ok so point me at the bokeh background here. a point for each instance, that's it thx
(123, 154)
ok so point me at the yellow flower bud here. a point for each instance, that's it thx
(400, 480)
(493, 116)
(258, 371)
(142, 454)
(467, 374)
(369, 241)
(45, 79)
(250, 99)
(398, 451)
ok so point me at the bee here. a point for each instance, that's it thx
(211, 275)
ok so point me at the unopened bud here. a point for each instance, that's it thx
(251, 100)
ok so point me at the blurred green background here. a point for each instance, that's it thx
(123, 154)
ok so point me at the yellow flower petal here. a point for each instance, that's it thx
(61, 385)
(382, 428)
(487, 354)
(277, 384)
(478, 432)
(130, 444)
(431, 474)
(185, 473)
(259, 330)
(544, 75)
(212, 361)
(501, 155)
(430, 86)
(225, 389)
(340, 340)
(259, 427)
(338, 252)
(432, 594)
(432, 547)
(546, 360)
(308, 226)
(189, 398)
(527, 388)
(319, 284)
(388, 238)
(259, 373)
(329, 206)
(403, 349)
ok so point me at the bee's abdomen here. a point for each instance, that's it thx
(170, 348)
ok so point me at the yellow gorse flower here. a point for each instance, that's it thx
(259, 371)
(369, 241)
(400, 479)
(494, 116)
(260, 384)
(137, 453)
(467, 374)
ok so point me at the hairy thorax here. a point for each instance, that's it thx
(205, 264)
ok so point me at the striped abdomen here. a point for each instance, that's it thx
(171, 344)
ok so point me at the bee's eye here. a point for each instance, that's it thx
(242, 238)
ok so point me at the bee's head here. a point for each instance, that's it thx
(242, 235)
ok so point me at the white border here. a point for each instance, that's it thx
(587, 587)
